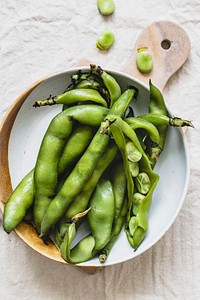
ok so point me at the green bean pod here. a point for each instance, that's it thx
(101, 215)
(83, 169)
(46, 169)
(115, 233)
(75, 146)
(75, 182)
(74, 96)
(139, 123)
(88, 84)
(121, 143)
(81, 201)
(110, 82)
(157, 106)
(60, 231)
(81, 252)
(12, 217)
(18, 203)
(163, 120)
(136, 226)
(118, 179)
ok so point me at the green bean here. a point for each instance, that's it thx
(92, 82)
(148, 126)
(75, 146)
(106, 7)
(144, 60)
(121, 143)
(126, 128)
(105, 40)
(68, 239)
(161, 120)
(83, 169)
(73, 96)
(18, 203)
(97, 114)
(88, 84)
(60, 231)
(136, 226)
(115, 234)
(74, 182)
(46, 169)
(101, 215)
(110, 82)
(118, 179)
(80, 202)
(157, 102)
(157, 106)
(29, 215)
(81, 252)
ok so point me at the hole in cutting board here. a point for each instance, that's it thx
(166, 44)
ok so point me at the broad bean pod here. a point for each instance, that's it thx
(115, 233)
(17, 206)
(110, 83)
(136, 226)
(101, 215)
(83, 169)
(46, 168)
(149, 127)
(82, 251)
(75, 146)
(118, 179)
(163, 120)
(81, 201)
(72, 97)
(157, 106)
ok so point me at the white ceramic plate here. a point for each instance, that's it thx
(173, 166)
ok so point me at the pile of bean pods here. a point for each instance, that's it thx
(95, 166)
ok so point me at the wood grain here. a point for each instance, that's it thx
(165, 61)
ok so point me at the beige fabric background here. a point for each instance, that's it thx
(38, 38)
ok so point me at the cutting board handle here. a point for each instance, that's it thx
(169, 45)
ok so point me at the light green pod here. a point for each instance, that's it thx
(105, 40)
(144, 60)
(106, 7)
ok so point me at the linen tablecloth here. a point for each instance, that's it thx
(38, 38)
